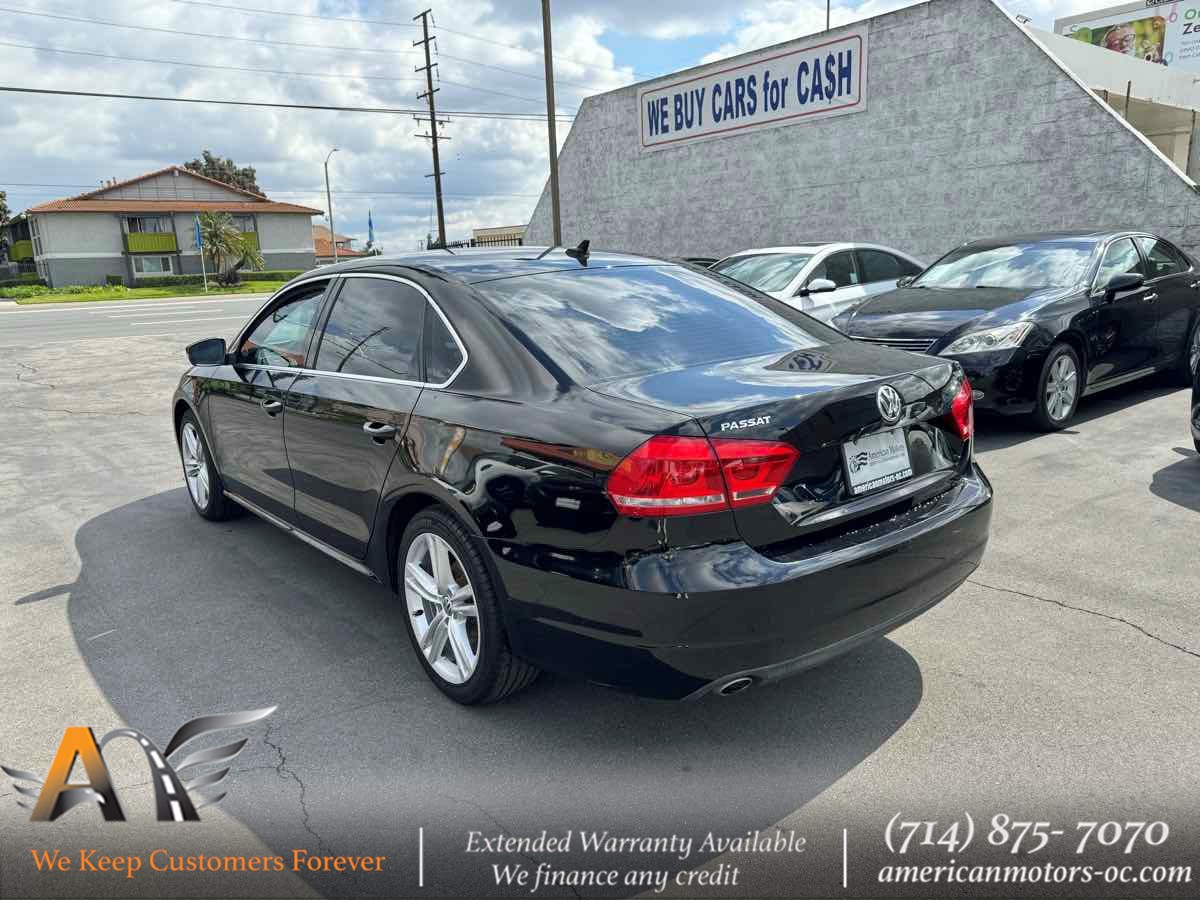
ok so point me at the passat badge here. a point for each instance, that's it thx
(890, 405)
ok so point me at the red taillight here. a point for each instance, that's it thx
(680, 476)
(962, 410)
(754, 470)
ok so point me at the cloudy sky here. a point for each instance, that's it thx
(351, 53)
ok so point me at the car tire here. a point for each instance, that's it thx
(452, 606)
(200, 476)
(1191, 355)
(1057, 400)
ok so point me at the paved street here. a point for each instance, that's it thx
(1059, 683)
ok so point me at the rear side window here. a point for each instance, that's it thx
(1161, 258)
(600, 324)
(838, 268)
(280, 337)
(442, 354)
(374, 329)
(877, 265)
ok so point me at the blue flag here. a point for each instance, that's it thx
(199, 240)
(370, 229)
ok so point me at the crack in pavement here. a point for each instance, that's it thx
(32, 371)
(282, 770)
(504, 828)
(1090, 612)
(79, 412)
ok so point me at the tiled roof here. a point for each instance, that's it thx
(165, 206)
(324, 248)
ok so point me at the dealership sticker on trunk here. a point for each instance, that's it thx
(877, 460)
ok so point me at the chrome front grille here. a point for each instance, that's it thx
(916, 345)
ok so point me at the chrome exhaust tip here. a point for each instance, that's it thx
(734, 686)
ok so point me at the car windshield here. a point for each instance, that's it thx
(599, 324)
(1040, 264)
(765, 271)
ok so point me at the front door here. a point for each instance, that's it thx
(346, 417)
(246, 405)
(1122, 329)
(842, 269)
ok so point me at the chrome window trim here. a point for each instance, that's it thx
(462, 349)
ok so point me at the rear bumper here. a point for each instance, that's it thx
(680, 624)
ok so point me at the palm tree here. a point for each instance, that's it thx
(226, 248)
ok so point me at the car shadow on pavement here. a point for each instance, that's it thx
(996, 432)
(1180, 481)
(177, 617)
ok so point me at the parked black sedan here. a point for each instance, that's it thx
(1040, 321)
(620, 468)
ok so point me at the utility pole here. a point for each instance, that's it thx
(433, 122)
(554, 207)
(329, 203)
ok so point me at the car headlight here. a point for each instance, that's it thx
(1005, 337)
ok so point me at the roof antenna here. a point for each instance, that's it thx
(546, 252)
(580, 253)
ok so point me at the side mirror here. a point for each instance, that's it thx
(817, 286)
(904, 281)
(1126, 281)
(208, 352)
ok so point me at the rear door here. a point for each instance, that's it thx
(1170, 274)
(1124, 330)
(347, 413)
(246, 406)
(841, 268)
(881, 270)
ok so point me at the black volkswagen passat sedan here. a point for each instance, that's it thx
(1040, 321)
(621, 468)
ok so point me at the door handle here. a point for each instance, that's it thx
(379, 430)
(271, 407)
(1195, 284)
(1150, 298)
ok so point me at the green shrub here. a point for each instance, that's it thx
(24, 279)
(21, 291)
(270, 274)
(170, 280)
(115, 280)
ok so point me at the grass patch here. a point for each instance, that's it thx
(32, 294)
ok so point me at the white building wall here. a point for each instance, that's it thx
(82, 234)
(970, 130)
(285, 232)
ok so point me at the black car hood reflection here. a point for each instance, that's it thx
(742, 383)
(935, 312)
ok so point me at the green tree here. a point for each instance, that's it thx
(3, 209)
(227, 249)
(225, 170)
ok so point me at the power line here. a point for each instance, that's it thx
(386, 23)
(503, 116)
(219, 37)
(289, 191)
(283, 72)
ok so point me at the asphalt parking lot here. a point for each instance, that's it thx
(1059, 683)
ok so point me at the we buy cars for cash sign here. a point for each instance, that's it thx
(820, 77)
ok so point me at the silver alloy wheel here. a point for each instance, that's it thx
(1194, 352)
(1061, 387)
(195, 470)
(441, 603)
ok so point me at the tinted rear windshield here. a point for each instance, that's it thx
(1042, 264)
(599, 324)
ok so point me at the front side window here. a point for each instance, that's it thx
(838, 268)
(601, 324)
(1027, 266)
(1120, 257)
(765, 271)
(374, 329)
(152, 265)
(243, 223)
(280, 337)
(1162, 258)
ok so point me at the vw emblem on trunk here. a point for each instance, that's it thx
(889, 403)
